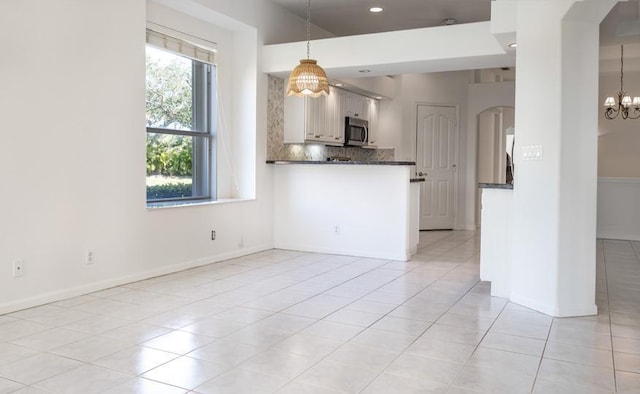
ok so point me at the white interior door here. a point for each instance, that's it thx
(436, 135)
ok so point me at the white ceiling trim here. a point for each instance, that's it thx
(447, 48)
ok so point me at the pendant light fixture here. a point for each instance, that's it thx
(308, 79)
(625, 107)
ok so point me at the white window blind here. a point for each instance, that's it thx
(181, 43)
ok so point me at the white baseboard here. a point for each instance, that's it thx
(346, 252)
(59, 295)
(467, 227)
(618, 235)
(553, 310)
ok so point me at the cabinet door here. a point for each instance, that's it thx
(311, 114)
(353, 105)
(373, 123)
(363, 107)
(335, 117)
(356, 106)
(295, 119)
(316, 120)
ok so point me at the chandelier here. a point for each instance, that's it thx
(308, 79)
(625, 107)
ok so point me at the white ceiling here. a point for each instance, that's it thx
(350, 17)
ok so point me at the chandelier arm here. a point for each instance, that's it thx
(635, 114)
(611, 113)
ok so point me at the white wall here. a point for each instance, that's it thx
(618, 213)
(371, 206)
(555, 198)
(398, 118)
(72, 161)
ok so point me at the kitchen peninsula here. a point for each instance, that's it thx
(367, 209)
(495, 243)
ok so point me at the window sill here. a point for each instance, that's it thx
(186, 204)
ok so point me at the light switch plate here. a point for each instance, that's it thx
(532, 152)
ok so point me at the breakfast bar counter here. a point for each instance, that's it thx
(367, 209)
(345, 162)
(495, 243)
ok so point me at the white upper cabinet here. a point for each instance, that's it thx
(373, 123)
(321, 120)
(318, 120)
(356, 106)
(295, 119)
(335, 117)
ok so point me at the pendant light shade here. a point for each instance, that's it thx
(308, 79)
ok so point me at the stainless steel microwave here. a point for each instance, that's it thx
(356, 132)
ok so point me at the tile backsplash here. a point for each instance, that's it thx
(278, 150)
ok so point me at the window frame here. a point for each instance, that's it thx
(203, 133)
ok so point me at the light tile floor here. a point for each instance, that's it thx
(292, 322)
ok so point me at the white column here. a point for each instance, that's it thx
(554, 223)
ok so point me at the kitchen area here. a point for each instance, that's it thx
(331, 197)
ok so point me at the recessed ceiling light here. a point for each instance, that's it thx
(377, 97)
(339, 84)
(376, 9)
(513, 45)
(364, 71)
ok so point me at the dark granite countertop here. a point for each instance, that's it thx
(416, 180)
(368, 163)
(495, 186)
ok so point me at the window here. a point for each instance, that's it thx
(181, 118)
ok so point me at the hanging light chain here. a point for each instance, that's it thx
(308, 26)
(308, 78)
(621, 68)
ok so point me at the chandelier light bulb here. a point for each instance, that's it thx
(610, 102)
(626, 101)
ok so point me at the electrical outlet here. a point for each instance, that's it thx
(213, 235)
(91, 256)
(18, 268)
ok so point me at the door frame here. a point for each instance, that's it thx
(477, 199)
(456, 150)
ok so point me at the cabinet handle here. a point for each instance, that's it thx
(337, 138)
(372, 142)
(317, 136)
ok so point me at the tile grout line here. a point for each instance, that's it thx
(385, 315)
(544, 349)
(478, 344)
(606, 284)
